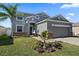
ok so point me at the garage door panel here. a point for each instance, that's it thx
(59, 31)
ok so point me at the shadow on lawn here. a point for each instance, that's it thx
(8, 41)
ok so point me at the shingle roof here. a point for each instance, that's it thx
(42, 16)
(59, 18)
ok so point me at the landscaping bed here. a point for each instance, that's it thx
(50, 46)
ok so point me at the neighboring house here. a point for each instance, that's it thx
(75, 28)
(2, 30)
(8, 31)
(26, 23)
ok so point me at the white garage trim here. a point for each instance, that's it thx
(58, 25)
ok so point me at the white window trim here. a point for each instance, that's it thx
(22, 27)
(30, 20)
(18, 19)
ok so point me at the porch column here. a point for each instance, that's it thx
(28, 28)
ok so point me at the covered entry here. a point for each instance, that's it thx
(32, 28)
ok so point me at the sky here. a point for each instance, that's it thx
(69, 10)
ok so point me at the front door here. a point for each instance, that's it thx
(30, 30)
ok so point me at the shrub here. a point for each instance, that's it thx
(49, 45)
(57, 44)
(4, 39)
(38, 44)
(44, 34)
(52, 49)
(40, 49)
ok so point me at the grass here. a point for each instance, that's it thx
(23, 46)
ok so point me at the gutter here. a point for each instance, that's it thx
(46, 20)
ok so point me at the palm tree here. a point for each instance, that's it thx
(9, 12)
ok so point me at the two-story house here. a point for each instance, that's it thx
(26, 23)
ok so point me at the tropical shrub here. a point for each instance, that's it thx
(49, 45)
(40, 49)
(57, 44)
(44, 36)
(51, 49)
(38, 44)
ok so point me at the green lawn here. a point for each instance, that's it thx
(24, 46)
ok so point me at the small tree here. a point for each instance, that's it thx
(44, 37)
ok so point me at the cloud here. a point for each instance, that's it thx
(67, 17)
(71, 14)
(70, 5)
(45, 11)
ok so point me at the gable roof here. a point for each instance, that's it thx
(59, 18)
(42, 16)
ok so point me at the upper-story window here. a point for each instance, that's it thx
(32, 18)
(37, 17)
(19, 18)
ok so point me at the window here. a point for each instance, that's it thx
(20, 18)
(32, 19)
(19, 28)
(37, 17)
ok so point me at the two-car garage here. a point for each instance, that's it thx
(55, 28)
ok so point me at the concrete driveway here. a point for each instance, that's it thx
(71, 40)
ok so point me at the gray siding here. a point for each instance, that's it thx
(26, 28)
(54, 30)
(25, 25)
(41, 27)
